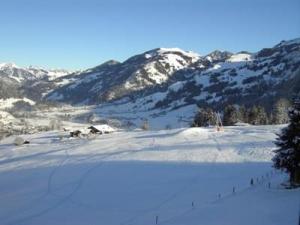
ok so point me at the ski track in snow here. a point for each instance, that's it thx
(48, 192)
(63, 199)
(214, 138)
(78, 184)
(137, 146)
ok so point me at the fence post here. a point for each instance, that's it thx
(233, 190)
(299, 217)
(156, 220)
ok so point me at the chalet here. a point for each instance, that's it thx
(101, 129)
(75, 133)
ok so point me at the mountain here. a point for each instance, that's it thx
(113, 80)
(32, 82)
(20, 74)
(172, 78)
(165, 79)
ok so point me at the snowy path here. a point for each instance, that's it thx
(133, 177)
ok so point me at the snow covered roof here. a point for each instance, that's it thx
(103, 128)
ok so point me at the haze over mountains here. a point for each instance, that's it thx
(166, 78)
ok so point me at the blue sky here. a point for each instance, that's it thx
(83, 33)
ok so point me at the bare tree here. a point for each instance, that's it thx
(19, 141)
(145, 125)
(55, 124)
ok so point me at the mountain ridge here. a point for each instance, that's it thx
(179, 77)
(216, 79)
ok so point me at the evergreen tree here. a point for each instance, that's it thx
(55, 124)
(243, 114)
(204, 117)
(262, 117)
(252, 115)
(280, 111)
(287, 156)
(231, 115)
(257, 115)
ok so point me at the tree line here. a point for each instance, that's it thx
(255, 115)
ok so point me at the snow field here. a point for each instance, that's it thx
(138, 176)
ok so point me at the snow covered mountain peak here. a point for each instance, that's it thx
(8, 65)
(13, 72)
(240, 57)
(32, 82)
(49, 74)
(218, 56)
(178, 50)
(171, 51)
(173, 78)
(156, 67)
(19, 74)
(113, 80)
(167, 78)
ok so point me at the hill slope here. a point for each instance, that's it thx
(173, 78)
(132, 177)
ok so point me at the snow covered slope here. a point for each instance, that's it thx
(242, 79)
(16, 81)
(172, 78)
(166, 78)
(9, 102)
(182, 176)
(113, 80)
(20, 74)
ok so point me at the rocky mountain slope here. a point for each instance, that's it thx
(32, 82)
(173, 78)
(113, 80)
